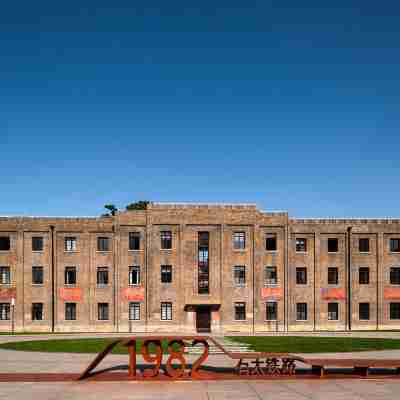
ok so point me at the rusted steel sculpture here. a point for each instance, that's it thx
(152, 352)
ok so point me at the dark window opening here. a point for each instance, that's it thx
(363, 311)
(333, 276)
(166, 240)
(134, 241)
(395, 276)
(134, 275)
(239, 274)
(5, 276)
(37, 243)
(70, 311)
(271, 276)
(37, 311)
(203, 266)
(37, 275)
(301, 276)
(363, 245)
(134, 311)
(166, 311)
(271, 311)
(271, 243)
(363, 276)
(333, 245)
(333, 311)
(394, 310)
(70, 275)
(103, 311)
(395, 245)
(102, 276)
(4, 243)
(240, 311)
(5, 311)
(166, 273)
(103, 244)
(301, 312)
(301, 245)
(239, 240)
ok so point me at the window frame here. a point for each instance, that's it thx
(239, 275)
(240, 311)
(392, 311)
(239, 240)
(268, 303)
(5, 271)
(103, 312)
(363, 270)
(41, 311)
(101, 240)
(37, 268)
(166, 311)
(166, 240)
(394, 274)
(135, 306)
(270, 269)
(73, 311)
(70, 244)
(100, 271)
(167, 271)
(70, 268)
(336, 271)
(138, 274)
(392, 248)
(360, 246)
(5, 311)
(336, 241)
(134, 237)
(360, 312)
(5, 239)
(299, 312)
(273, 237)
(298, 270)
(301, 248)
(331, 312)
(37, 239)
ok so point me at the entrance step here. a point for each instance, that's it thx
(228, 345)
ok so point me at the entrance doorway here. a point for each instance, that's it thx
(203, 319)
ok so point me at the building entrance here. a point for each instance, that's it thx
(203, 319)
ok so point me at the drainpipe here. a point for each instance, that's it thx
(349, 308)
(52, 280)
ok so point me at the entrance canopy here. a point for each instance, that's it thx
(194, 307)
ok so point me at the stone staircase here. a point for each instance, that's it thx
(227, 344)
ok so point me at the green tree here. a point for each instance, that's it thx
(138, 205)
(112, 210)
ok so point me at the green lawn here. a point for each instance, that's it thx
(72, 346)
(291, 344)
(299, 344)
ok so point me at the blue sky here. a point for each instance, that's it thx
(292, 108)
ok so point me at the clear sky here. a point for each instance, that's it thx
(292, 105)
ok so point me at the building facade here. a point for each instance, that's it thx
(205, 268)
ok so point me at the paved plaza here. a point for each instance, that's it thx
(285, 389)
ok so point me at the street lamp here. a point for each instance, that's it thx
(12, 314)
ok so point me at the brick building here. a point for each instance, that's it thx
(187, 268)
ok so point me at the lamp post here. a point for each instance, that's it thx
(12, 314)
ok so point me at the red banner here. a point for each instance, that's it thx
(8, 293)
(133, 294)
(271, 293)
(391, 293)
(71, 294)
(333, 294)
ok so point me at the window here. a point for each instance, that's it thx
(166, 273)
(271, 276)
(395, 276)
(239, 240)
(70, 311)
(70, 275)
(363, 311)
(134, 240)
(134, 275)
(363, 276)
(4, 243)
(5, 276)
(333, 276)
(333, 245)
(102, 276)
(301, 245)
(4, 311)
(166, 239)
(37, 243)
(203, 276)
(301, 311)
(166, 311)
(103, 244)
(70, 244)
(239, 274)
(363, 245)
(333, 311)
(103, 311)
(394, 310)
(395, 245)
(271, 243)
(134, 311)
(240, 311)
(37, 311)
(301, 276)
(271, 311)
(37, 275)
